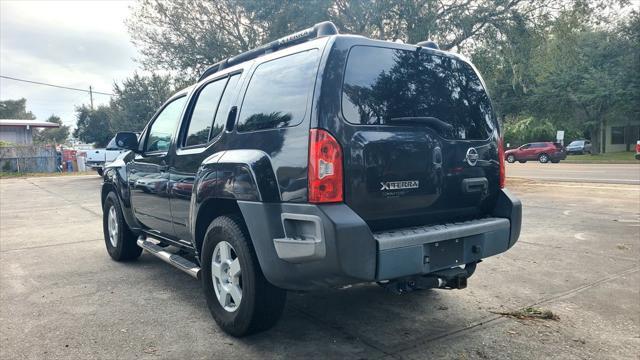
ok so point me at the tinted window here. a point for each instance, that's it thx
(204, 112)
(225, 105)
(164, 125)
(278, 92)
(384, 85)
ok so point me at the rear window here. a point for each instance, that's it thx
(382, 86)
(278, 92)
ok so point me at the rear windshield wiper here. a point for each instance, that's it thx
(427, 120)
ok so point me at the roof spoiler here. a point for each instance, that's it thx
(325, 28)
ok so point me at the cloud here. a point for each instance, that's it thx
(68, 43)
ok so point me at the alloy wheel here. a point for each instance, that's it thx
(113, 226)
(226, 274)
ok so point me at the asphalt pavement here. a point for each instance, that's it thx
(590, 173)
(62, 297)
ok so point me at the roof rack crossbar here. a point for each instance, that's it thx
(321, 29)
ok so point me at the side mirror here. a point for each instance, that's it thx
(127, 140)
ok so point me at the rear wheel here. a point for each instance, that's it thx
(511, 159)
(120, 241)
(239, 297)
(543, 158)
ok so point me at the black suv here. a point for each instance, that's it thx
(317, 160)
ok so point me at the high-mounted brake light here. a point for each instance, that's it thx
(503, 170)
(325, 168)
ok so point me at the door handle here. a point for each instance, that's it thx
(163, 166)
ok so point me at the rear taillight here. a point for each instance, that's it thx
(325, 168)
(503, 172)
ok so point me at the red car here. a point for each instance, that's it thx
(541, 151)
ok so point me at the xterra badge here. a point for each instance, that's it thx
(400, 185)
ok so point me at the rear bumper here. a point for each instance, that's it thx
(95, 164)
(307, 247)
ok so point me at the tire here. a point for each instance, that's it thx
(100, 171)
(261, 304)
(543, 158)
(511, 159)
(121, 243)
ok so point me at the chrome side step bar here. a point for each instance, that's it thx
(172, 259)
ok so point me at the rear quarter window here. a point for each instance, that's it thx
(278, 92)
(381, 84)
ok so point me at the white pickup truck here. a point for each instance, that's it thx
(97, 159)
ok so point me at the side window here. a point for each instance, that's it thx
(203, 113)
(225, 104)
(164, 125)
(278, 92)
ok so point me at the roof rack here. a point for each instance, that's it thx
(324, 28)
(429, 44)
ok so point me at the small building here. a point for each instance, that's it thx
(621, 137)
(20, 132)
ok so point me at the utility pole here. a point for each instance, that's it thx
(91, 96)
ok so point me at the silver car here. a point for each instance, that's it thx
(579, 147)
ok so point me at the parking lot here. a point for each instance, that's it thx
(61, 296)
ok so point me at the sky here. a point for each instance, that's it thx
(70, 43)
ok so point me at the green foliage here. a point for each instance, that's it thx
(137, 99)
(528, 130)
(52, 135)
(94, 125)
(15, 109)
(569, 69)
(134, 102)
(170, 37)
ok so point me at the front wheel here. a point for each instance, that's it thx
(543, 158)
(120, 241)
(239, 297)
(511, 159)
(100, 171)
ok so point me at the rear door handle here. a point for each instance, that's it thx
(475, 185)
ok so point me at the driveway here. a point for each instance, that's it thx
(62, 297)
(590, 173)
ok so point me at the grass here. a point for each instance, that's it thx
(624, 157)
(530, 313)
(16, 175)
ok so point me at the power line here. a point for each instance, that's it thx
(56, 86)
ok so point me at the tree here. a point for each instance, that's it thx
(570, 70)
(15, 109)
(52, 135)
(94, 126)
(137, 99)
(189, 35)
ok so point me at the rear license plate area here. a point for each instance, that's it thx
(444, 254)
